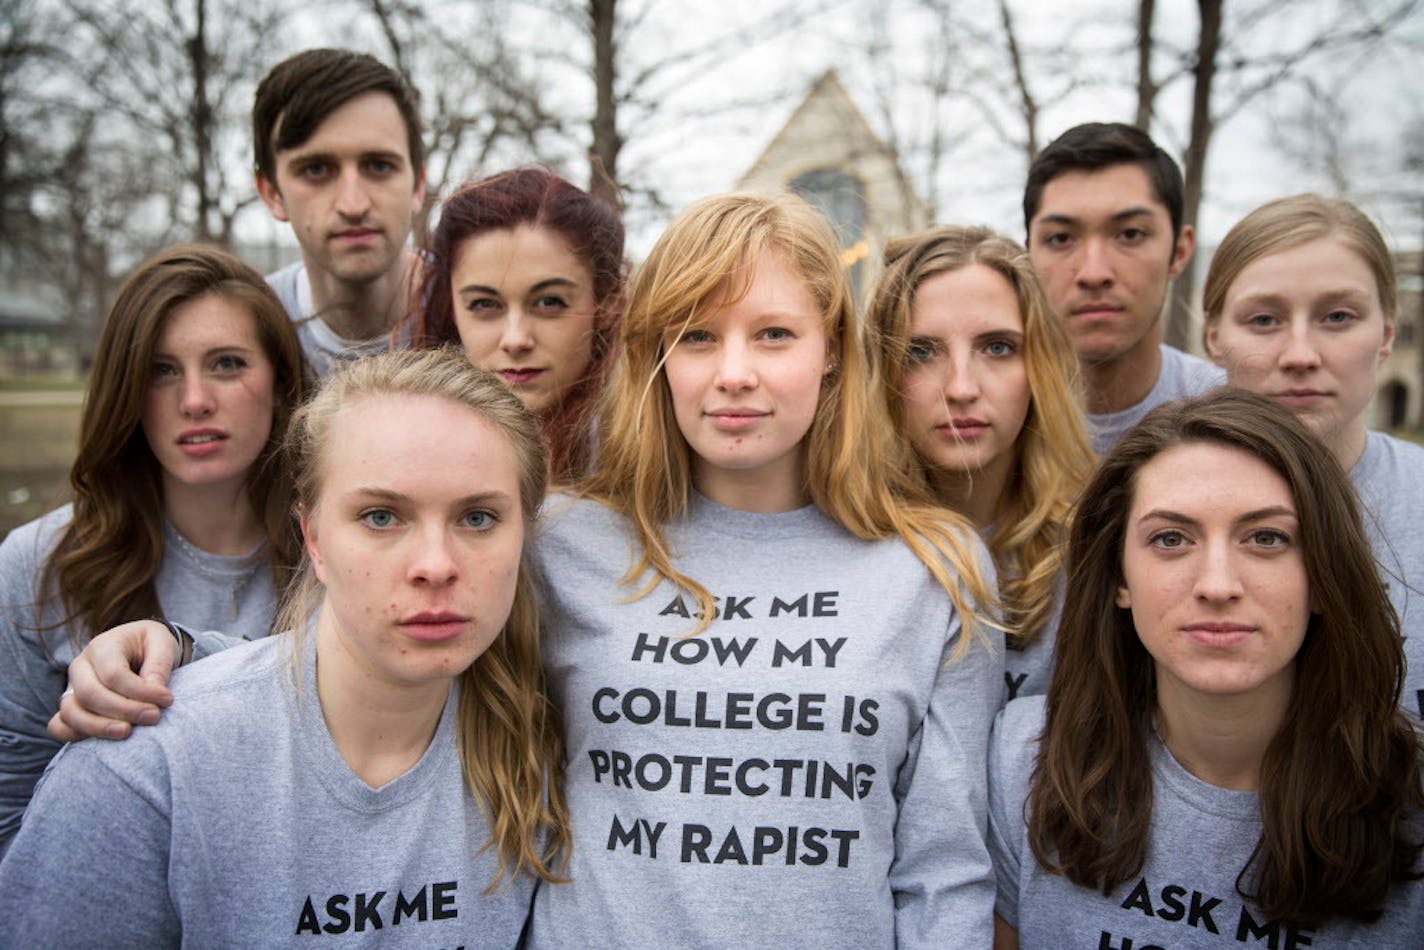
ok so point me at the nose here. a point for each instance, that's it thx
(961, 383)
(1217, 579)
(1094, 267)
(516, 337)
(1301, 353)
(196, 400)
(432, 562)
(735, 372)
(352, 201)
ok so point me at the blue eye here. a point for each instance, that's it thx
(229, 364)
(1000, 348)
(777, 334)
(479, 519)
(1338, 318)
(696, 336)
(378, 518)
(920, 350)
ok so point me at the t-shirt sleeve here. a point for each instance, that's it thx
(31, 682)
(89, 867)
(941, 875)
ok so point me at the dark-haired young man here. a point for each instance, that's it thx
(339, 157)
(1103, 211)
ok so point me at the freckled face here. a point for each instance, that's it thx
(966, 392)
(525, 309)
(416, 535)
(746, 382)
(1213, 572)
(1305, 327)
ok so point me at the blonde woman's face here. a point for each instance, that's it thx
(966, 392)
(745, 385)
(416, 535)
(1305, 327)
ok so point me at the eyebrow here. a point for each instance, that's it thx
(395, 497)
(1137, 211)
(1341, 295)
(299, 157)
(210, 351)
(1256, 514)
(541, 285)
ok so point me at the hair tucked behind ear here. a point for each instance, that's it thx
(511, 746)
(858, 472)
(1340, 793)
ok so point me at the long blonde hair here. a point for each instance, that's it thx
(855, 467)
(511, 749)
(1052, 455)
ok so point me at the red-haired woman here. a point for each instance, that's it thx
(526, 271)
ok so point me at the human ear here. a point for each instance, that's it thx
(1124, 598)
(1182, 250)
(309, 541)
(1211, 339)
(271, 196)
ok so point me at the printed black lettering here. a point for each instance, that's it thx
(366, 911)
(825, 604)
(746, 787)
(630, 711)
(671, 717)
(1296, 938)
(622, 768)
(1419, 699)
(830, 650)
(779, 606)
(653, 760)
(731, 849)
(336, 910)
(1200, 913)
(307, 921)
(739, 711)
(782, 653)
(844, 838)
(735, 608)
(808, 712)
(736, 649)
(690, 650)
(781, 718)
(766, 841)
(601, 763)
(1246, 926)
(442, 901)
(687, 763)
(1172, 907)
(606, 692)
(676, 609)
(842, 781)
(634, 835)
(789, 768)
(1105, 942)
(717, 772)
(1139, 899)
(816, 851)
(644, 644)
(409, 907)
(1014, 682)
(870, 722)
(695, 839)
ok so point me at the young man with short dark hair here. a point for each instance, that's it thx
(1103, 212)
(339, 156)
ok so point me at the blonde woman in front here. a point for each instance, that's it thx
(982, 383)
(383, 772)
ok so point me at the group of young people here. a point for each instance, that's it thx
(734, 682)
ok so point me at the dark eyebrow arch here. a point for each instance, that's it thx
(1257, 514)
(1137, 211)
(395, 497)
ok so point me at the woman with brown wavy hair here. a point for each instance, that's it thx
(390, 764)
(982, 383)
(1220, 755)
(525, 271)
(180, 495)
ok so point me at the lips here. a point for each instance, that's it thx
(1301, 396)
(1218, 633)
(196, 443)
(735, 420)
(357, 235)
(963, 429)
(431, 626)
(515, 376)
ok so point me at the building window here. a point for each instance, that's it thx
(841, 198)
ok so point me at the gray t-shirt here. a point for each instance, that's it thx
(1181, 375)
(1389, 479)
(1029, 667)
(808, 771)
(1201, 838)
(236, 823)
(324, 350)
(197, 589)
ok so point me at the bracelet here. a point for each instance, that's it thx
(184, 638)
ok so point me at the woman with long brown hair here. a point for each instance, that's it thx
(387, 766)
(982, 383)
(525, 271)
(180, 495)
(1220, 754)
